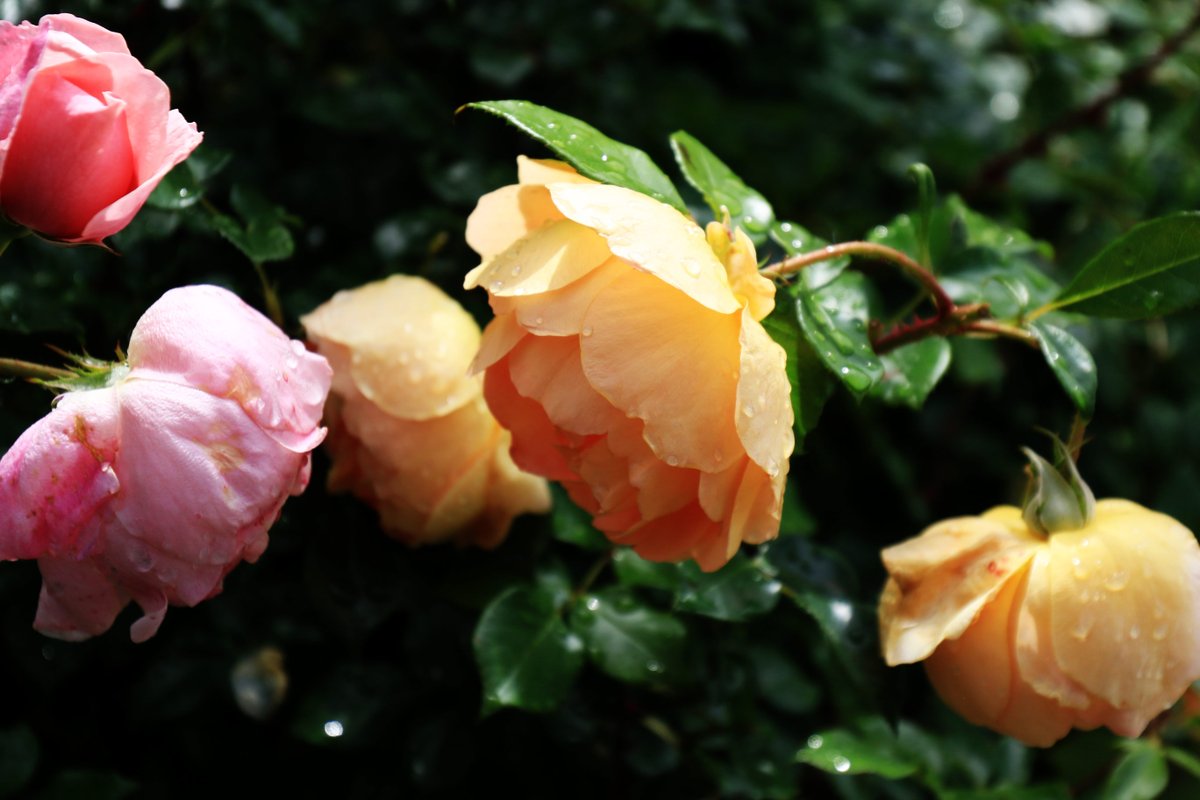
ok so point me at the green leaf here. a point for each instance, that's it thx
(834, 321)
(780, 681)
(178, 190)
(1152, 270)
(1184, 759)
(263, 237)
(1010, 285)
(796, 239)
(633, 570)
(18, 758)
(926, 197)
(587, 149)
(628, 640)
(574, 525)
(811, 383)
(873, 750)
(911, 372)
(1140, 774)
(722, 189)
(527, 657)
(1071, 363)
(741, 589)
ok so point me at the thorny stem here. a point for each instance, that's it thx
(27, 369)
(948, 319)
(941, 300)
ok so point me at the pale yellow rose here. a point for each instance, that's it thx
(1032, 635)
(409, 431)
(628, 360)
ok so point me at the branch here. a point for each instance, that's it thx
(995, 170)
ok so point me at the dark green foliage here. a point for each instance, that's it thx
(333, 156)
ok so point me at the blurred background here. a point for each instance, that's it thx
(331, 136)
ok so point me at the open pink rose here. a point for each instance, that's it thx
(86, 132)
(154, 487)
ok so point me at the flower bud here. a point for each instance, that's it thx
(1031, 635)
(155, 486)
(86, 132)
(410, 432)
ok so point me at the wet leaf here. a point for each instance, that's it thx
(911, 372)
(834, 321)
(628, 640)
(872, 750)
(587, 149)
(1151, 271)
(722, 189)
(741, 589)
(1071, 363)
(526, 655)
(810, 381)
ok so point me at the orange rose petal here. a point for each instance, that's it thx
(560, 312)
(410, 345)
(549, 372)
(717, 489)
(946, 575)
(581, 495)
(548, 258)
(673, 537)
(653, 236)
(764, 400)
(754, 291)
(604, 471)
(463, 501)
(534, 436)
(505, 215)
(540, 171)
(499, 337)
(641, 344)
(661, 489)
(756, 511)
(1129, 584)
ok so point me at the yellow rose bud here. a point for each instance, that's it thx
(409, 431)
(1031, 635)
(628, 359)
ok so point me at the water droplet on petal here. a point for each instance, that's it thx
(748, 410)
(516, 270)
(1117, 581)
(1135, 632)
(672, 461)
(587, 330)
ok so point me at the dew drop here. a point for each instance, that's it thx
(815, 742)
(604, 156)
(841, 763)
(1117, 581)
(516, 270)
(785, 226)
(772, 468)
(654, 666)
(718, 456)
(1080, 572)
(1159, 633)
(538, 321)
(1081, 630)
(592, 604)
(797, 244)
(693, 268)
(672, 461)
(497, 286)
(587, 330)
(551, 125)
(1135, 632)
(748, 410)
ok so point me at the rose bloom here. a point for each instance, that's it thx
(628, 360)
(86, 132)
(155, 486)
(410, 432)
(1032, 635)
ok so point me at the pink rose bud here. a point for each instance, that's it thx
(86, 132)
(409, 431)
(154, 487)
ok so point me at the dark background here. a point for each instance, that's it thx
(342, 115)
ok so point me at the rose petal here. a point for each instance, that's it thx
(78, 600)
(241, 355)
(537, 446)
(560, 312)
(651, 235)
(548, 370)
(658, 356)
(541, 171)
(502, 217)
(764, 400)
(410, 345)
(548, 258)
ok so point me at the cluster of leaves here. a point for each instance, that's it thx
(555, 664)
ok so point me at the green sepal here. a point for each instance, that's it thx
(1057, 498)
(87, 373)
